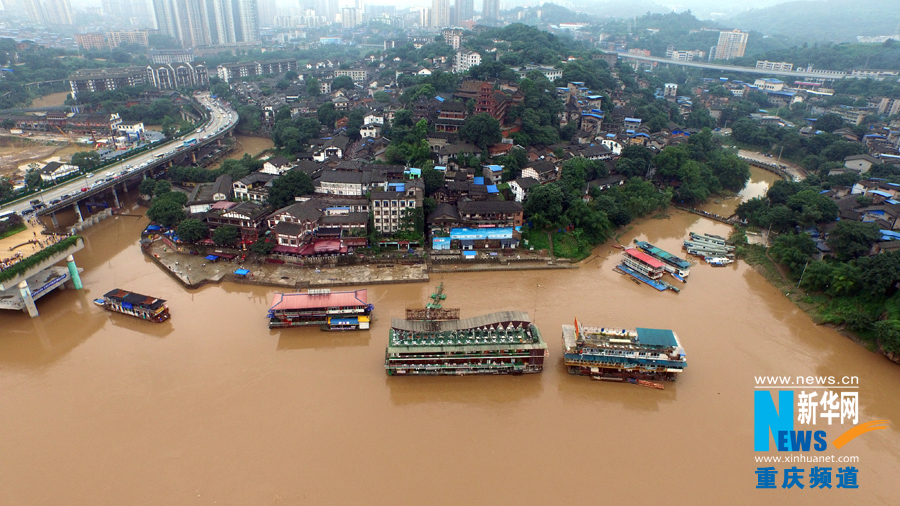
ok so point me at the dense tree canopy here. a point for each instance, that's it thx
(292, 184)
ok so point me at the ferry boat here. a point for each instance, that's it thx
(505, 342)
(678, 267)
(331, 311)
(714, 239)
(708, 246)
(643, 263)
(140, 306)
(615, 354)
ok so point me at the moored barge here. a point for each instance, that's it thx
(331, 311)
(678, 267)
(505, 342)
(622, 354)
(140, 306)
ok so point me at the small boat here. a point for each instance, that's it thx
(140, 306)
(719, 261)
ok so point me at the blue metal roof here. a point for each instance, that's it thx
(495, 168)
(478, 180)
(881, 193)
(656, 337)
(492, 188)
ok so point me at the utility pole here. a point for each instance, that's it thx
(779, 153)
(802, 273)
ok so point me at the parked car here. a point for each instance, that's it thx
(55, 201)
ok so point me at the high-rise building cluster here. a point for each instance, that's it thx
(49, 12)
(197, 23)
(442, 14)
(125, 8)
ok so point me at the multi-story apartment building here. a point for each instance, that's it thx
(92, 80)
(731, 45)
(490, 9)
(177, 75)
(889, 106)
(452, 36)
(197, 23)
(464, 60)
(171, 55)
(550, 73)
(358, 75)
(464, 11)
(778, 66)
(234, 71)
(389, 208)
(89, 41)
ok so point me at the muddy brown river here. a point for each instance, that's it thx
(212, 407)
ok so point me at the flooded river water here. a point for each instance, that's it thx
(211, 407)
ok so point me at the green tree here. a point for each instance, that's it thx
(226, 235)
(829, 123)
(342, 82)
(33, 179)
(192, 231)
(888, 334)
(292, 184)
(327, 114)
(147, 187)
(162, 187)
(312, 87)
(793, 251)
(544, 205)
(481, 130)
(852, 239)
(166, 212)
(262, 246)
(86, 160)
(433, 179)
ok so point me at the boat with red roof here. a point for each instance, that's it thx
(331, 311)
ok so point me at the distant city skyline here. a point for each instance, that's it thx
(196, 23)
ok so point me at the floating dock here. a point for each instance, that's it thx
(678, 267)
(506, 342)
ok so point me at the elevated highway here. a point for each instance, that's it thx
(815, 74)
(221, 123)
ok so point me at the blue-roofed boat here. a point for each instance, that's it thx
(615, 354)
(677, 267)
(145, 307)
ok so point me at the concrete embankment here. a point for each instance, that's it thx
(194, 271)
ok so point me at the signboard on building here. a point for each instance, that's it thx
(481, 233)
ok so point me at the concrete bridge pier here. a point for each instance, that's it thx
(54, 220)
(30, 308)
(115, 196)
(73, 272)
(77, 212)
